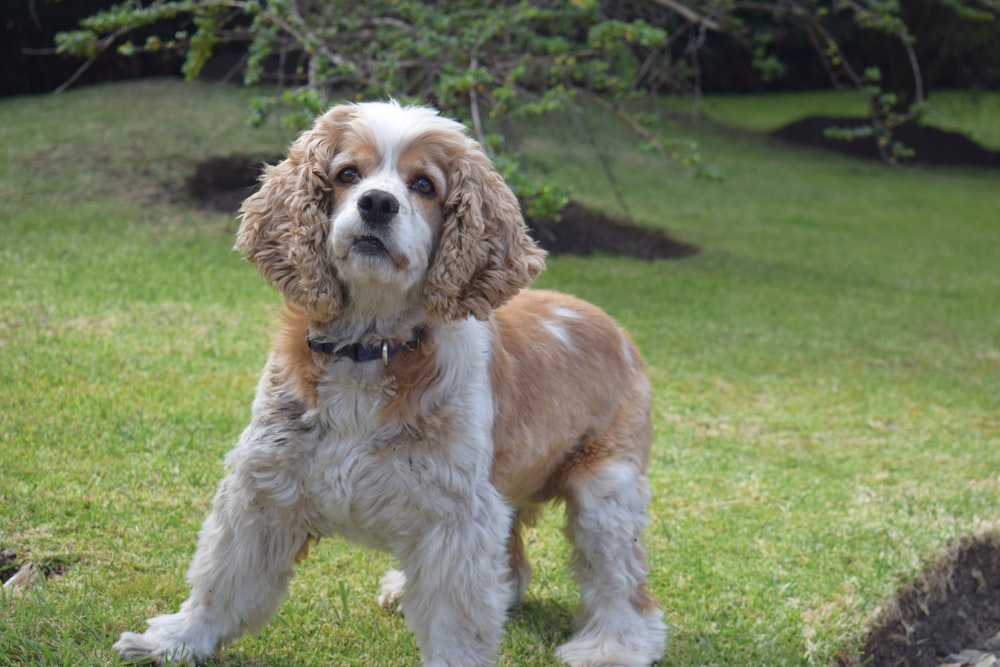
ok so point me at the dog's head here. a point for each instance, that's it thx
(392, 204)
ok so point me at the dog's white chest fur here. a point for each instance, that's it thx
(346, 469)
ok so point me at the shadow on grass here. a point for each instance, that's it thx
(547, 622)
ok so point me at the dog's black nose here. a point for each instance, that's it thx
(377, 207)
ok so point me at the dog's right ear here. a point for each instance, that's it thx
(285, 224)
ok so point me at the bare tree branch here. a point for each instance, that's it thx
(474, 102)
(690, 15)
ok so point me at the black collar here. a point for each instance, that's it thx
(383, 350)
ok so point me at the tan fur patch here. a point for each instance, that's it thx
(644, 600)
(300, 367)
(354, 151)
(413, 373)
(571, 394)
(303, 552)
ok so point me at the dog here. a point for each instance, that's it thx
(417, 400)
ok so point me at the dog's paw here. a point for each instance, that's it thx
(596, 652)
(171, 639)
(390, 595)
(133, 646)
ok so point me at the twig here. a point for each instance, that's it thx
(477, 125)
(102, 46)
(690, 15)
(605, 161)
(629, 119)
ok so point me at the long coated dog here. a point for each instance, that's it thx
(416, 400)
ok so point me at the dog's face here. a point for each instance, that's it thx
(383, 202)
(388, 192)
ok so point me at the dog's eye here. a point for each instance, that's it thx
(348, 176)
(423, 185)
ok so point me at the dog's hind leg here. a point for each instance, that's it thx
(617, 622)
(520, 566)
(390, 595)
(238, 576)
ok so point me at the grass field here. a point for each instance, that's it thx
(827, 378)
(971, 113)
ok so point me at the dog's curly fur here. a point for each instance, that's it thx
(387, 227)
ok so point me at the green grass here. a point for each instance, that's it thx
(973, 113)
(766, 112)
(827, 376)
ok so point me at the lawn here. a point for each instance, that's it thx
(972, 113)
(826, 371)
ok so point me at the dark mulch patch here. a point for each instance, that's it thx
(10, 563)
(933, 147)
(953, 607)
(581, 231)
(222, 183)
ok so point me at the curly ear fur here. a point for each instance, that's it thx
(286, 223)
(484, 256)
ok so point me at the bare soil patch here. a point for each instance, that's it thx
(950, 615)
(11, 564)
(8, 565)
(933, 147)
(222, 183)
(581, 231)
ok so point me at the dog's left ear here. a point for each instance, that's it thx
(485, 255)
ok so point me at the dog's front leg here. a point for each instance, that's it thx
(458, 584)
(239, 575)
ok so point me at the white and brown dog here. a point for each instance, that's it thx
(416, 403)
